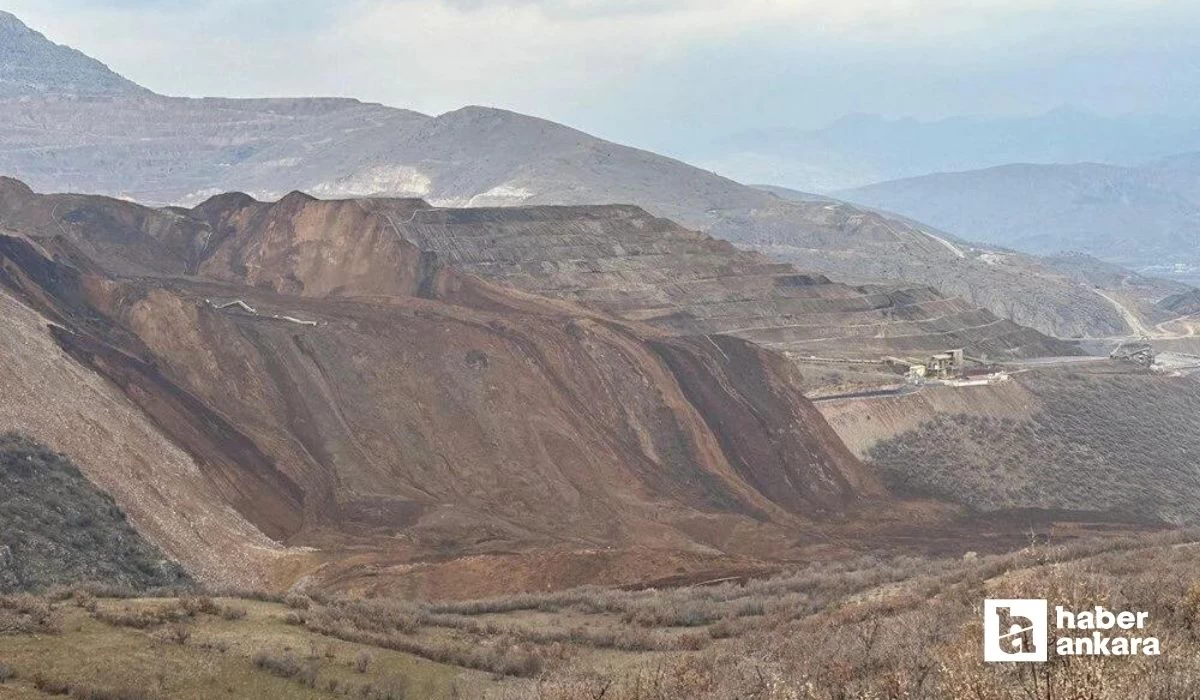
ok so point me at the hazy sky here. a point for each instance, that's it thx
(657, 73)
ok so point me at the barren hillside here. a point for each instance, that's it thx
(31, 65)
(337, 388)
(626, 262)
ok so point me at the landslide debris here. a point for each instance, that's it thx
(624, 261)
(429, 414)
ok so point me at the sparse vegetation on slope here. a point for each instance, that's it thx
(1098, 443)
(920, 637)
(56, 527)
(190, 650)
(863, 627)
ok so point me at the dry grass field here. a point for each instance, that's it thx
(864, 627)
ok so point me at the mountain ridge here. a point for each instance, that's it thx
(1086, 207)
(181, 151)
(859, 150)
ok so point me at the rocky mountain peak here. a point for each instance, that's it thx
(9, 22)
(31, 64)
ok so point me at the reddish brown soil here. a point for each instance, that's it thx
(432, 434)
(430, 425)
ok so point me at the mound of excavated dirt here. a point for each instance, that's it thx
(628, 263)
(337, 388)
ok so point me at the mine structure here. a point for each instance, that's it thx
(1140, 354)
(944, 365)
(947, 365)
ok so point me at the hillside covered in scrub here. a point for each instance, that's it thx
(1104, 443)
(869, 626)
(58, 528)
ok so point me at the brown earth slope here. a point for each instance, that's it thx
(617, 259)
(370, 402)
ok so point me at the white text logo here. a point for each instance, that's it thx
(1017, 629)
(1014, 630)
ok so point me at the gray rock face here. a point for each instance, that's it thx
(32, 65)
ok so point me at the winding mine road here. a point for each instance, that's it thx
(1131, 319)
(869, 394)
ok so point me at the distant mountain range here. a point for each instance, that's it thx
(1145, 217)
(863, 149)
(74, 125)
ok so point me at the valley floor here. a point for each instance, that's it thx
(865, 626)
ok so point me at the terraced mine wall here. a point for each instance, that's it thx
(626, 262)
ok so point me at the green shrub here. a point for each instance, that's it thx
(57, 528)
(282, 665)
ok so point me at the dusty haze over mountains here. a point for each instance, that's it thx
(131, 143)
(672, 76)
(1146, 217)
(860, 150)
